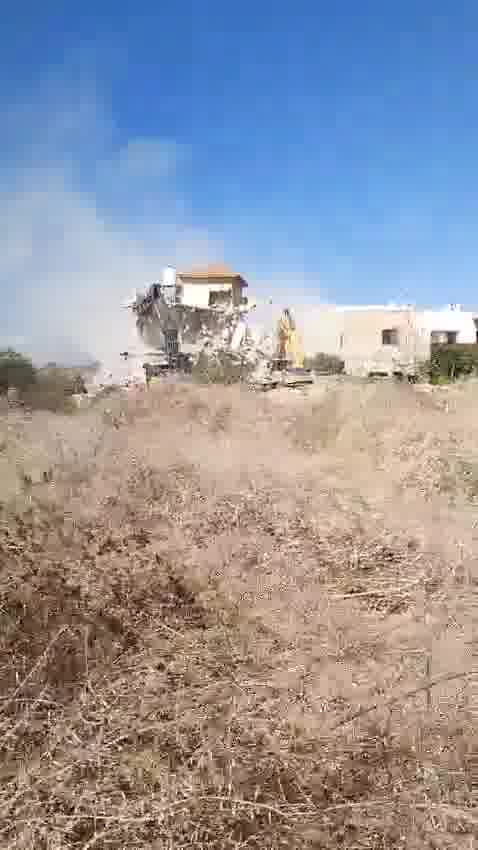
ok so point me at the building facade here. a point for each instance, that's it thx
(378, 340)
(212, 286)
(385, 339)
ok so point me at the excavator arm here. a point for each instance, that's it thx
(289, 344)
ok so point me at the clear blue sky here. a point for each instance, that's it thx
(335, 143)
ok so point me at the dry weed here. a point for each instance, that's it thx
(232, 623)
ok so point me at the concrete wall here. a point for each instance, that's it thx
(191, 324)
(362, 345)
(460, 321)
(355, 334)
(319, 327)
(196, 293)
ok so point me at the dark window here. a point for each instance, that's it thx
(171, 340)
(390, 336)
(220, 298)
(444, 337)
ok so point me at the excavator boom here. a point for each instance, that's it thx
(289, 344)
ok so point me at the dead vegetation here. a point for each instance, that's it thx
(47, 388)
(232, 623)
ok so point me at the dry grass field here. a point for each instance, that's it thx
(234, 621)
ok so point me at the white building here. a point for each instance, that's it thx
(449, 325)
(214, 285)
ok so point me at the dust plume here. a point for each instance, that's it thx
(87, 217)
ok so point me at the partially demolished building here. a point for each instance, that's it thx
(198, 311)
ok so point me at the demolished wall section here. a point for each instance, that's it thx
(217, 330)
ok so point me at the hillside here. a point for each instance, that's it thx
(230, 621)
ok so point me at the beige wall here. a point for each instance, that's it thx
(319, 328)
(356, 336)
(362, 347)
(196, 292)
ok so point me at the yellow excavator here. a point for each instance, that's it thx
(287, 366)
(290, 354)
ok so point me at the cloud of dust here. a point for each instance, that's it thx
(88, 216)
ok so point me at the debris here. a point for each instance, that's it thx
(185, 332)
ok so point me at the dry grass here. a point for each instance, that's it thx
(224, 627)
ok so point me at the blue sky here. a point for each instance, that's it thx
(325, 150)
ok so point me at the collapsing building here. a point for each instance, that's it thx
(197, 311)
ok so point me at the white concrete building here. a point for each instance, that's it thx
(449, 325)
(214, 285)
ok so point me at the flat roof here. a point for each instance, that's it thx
(211, 272)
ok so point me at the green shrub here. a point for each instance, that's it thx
(325, 364)
(16, 371)
(449, 362)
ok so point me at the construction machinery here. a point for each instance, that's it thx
(289, 348)
(286, 368)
